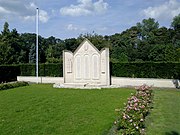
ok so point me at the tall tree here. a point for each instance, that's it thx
(6, 57)
(6, 29)
(54, 52)
(15, 43)
(176, 38)
(176, 25)
(176, 22)
(162, 52)
(32, 54)
(8, 48)
(28, 40)
(146, 27)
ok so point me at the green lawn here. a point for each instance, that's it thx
(164, 119)
(41, 109)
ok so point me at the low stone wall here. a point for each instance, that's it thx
(124, 82)
(41, 79)
(118, 81)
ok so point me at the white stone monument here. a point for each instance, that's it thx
(87, 66)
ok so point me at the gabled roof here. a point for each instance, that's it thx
(86, 40)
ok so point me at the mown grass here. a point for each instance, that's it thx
(164, 118)
(41, 109)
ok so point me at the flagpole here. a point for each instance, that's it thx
(37, 19)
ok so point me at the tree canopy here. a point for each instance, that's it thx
(145, 41)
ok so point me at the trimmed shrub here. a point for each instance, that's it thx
(9, 73)
(136, 70)
(55, 70)
(146, 70)
(5, 86)
(27, 69)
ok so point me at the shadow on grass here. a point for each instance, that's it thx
(172, 133)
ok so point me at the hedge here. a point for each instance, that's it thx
(9, 73)
(11, 85)
(55, 70)
(146, 70)
(137, 70)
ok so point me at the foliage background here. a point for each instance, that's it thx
(144, 50)
(145, 41)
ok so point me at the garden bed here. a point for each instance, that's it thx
(10, 85)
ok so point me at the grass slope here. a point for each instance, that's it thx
(164, 119)
(41, 109)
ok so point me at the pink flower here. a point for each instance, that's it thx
(142, 130)
(124, 117)
(141, 120)
(135, 109)
(130, 120)
(135, 104)
(142, 106)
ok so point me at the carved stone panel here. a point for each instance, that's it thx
(86, 65)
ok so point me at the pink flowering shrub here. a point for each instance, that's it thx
(131, 120)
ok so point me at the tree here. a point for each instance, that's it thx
(97, 40)
(10, 45)
(32, 54)
(162, 36)
(71, 44)
(176, 22)
(54, 52)
(162, 53)
(143, 42)
(6, 57)
(176, 36)
(15, 43)
(28, 43)
(146, 27)
(6, 29)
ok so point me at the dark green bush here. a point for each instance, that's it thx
(5, 86)
(55, 70)
(146, 70)
(28, 69)
(9, 73)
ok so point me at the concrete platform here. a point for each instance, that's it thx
(83, 86)
(77, 86)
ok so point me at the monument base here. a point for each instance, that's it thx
(82, 86)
